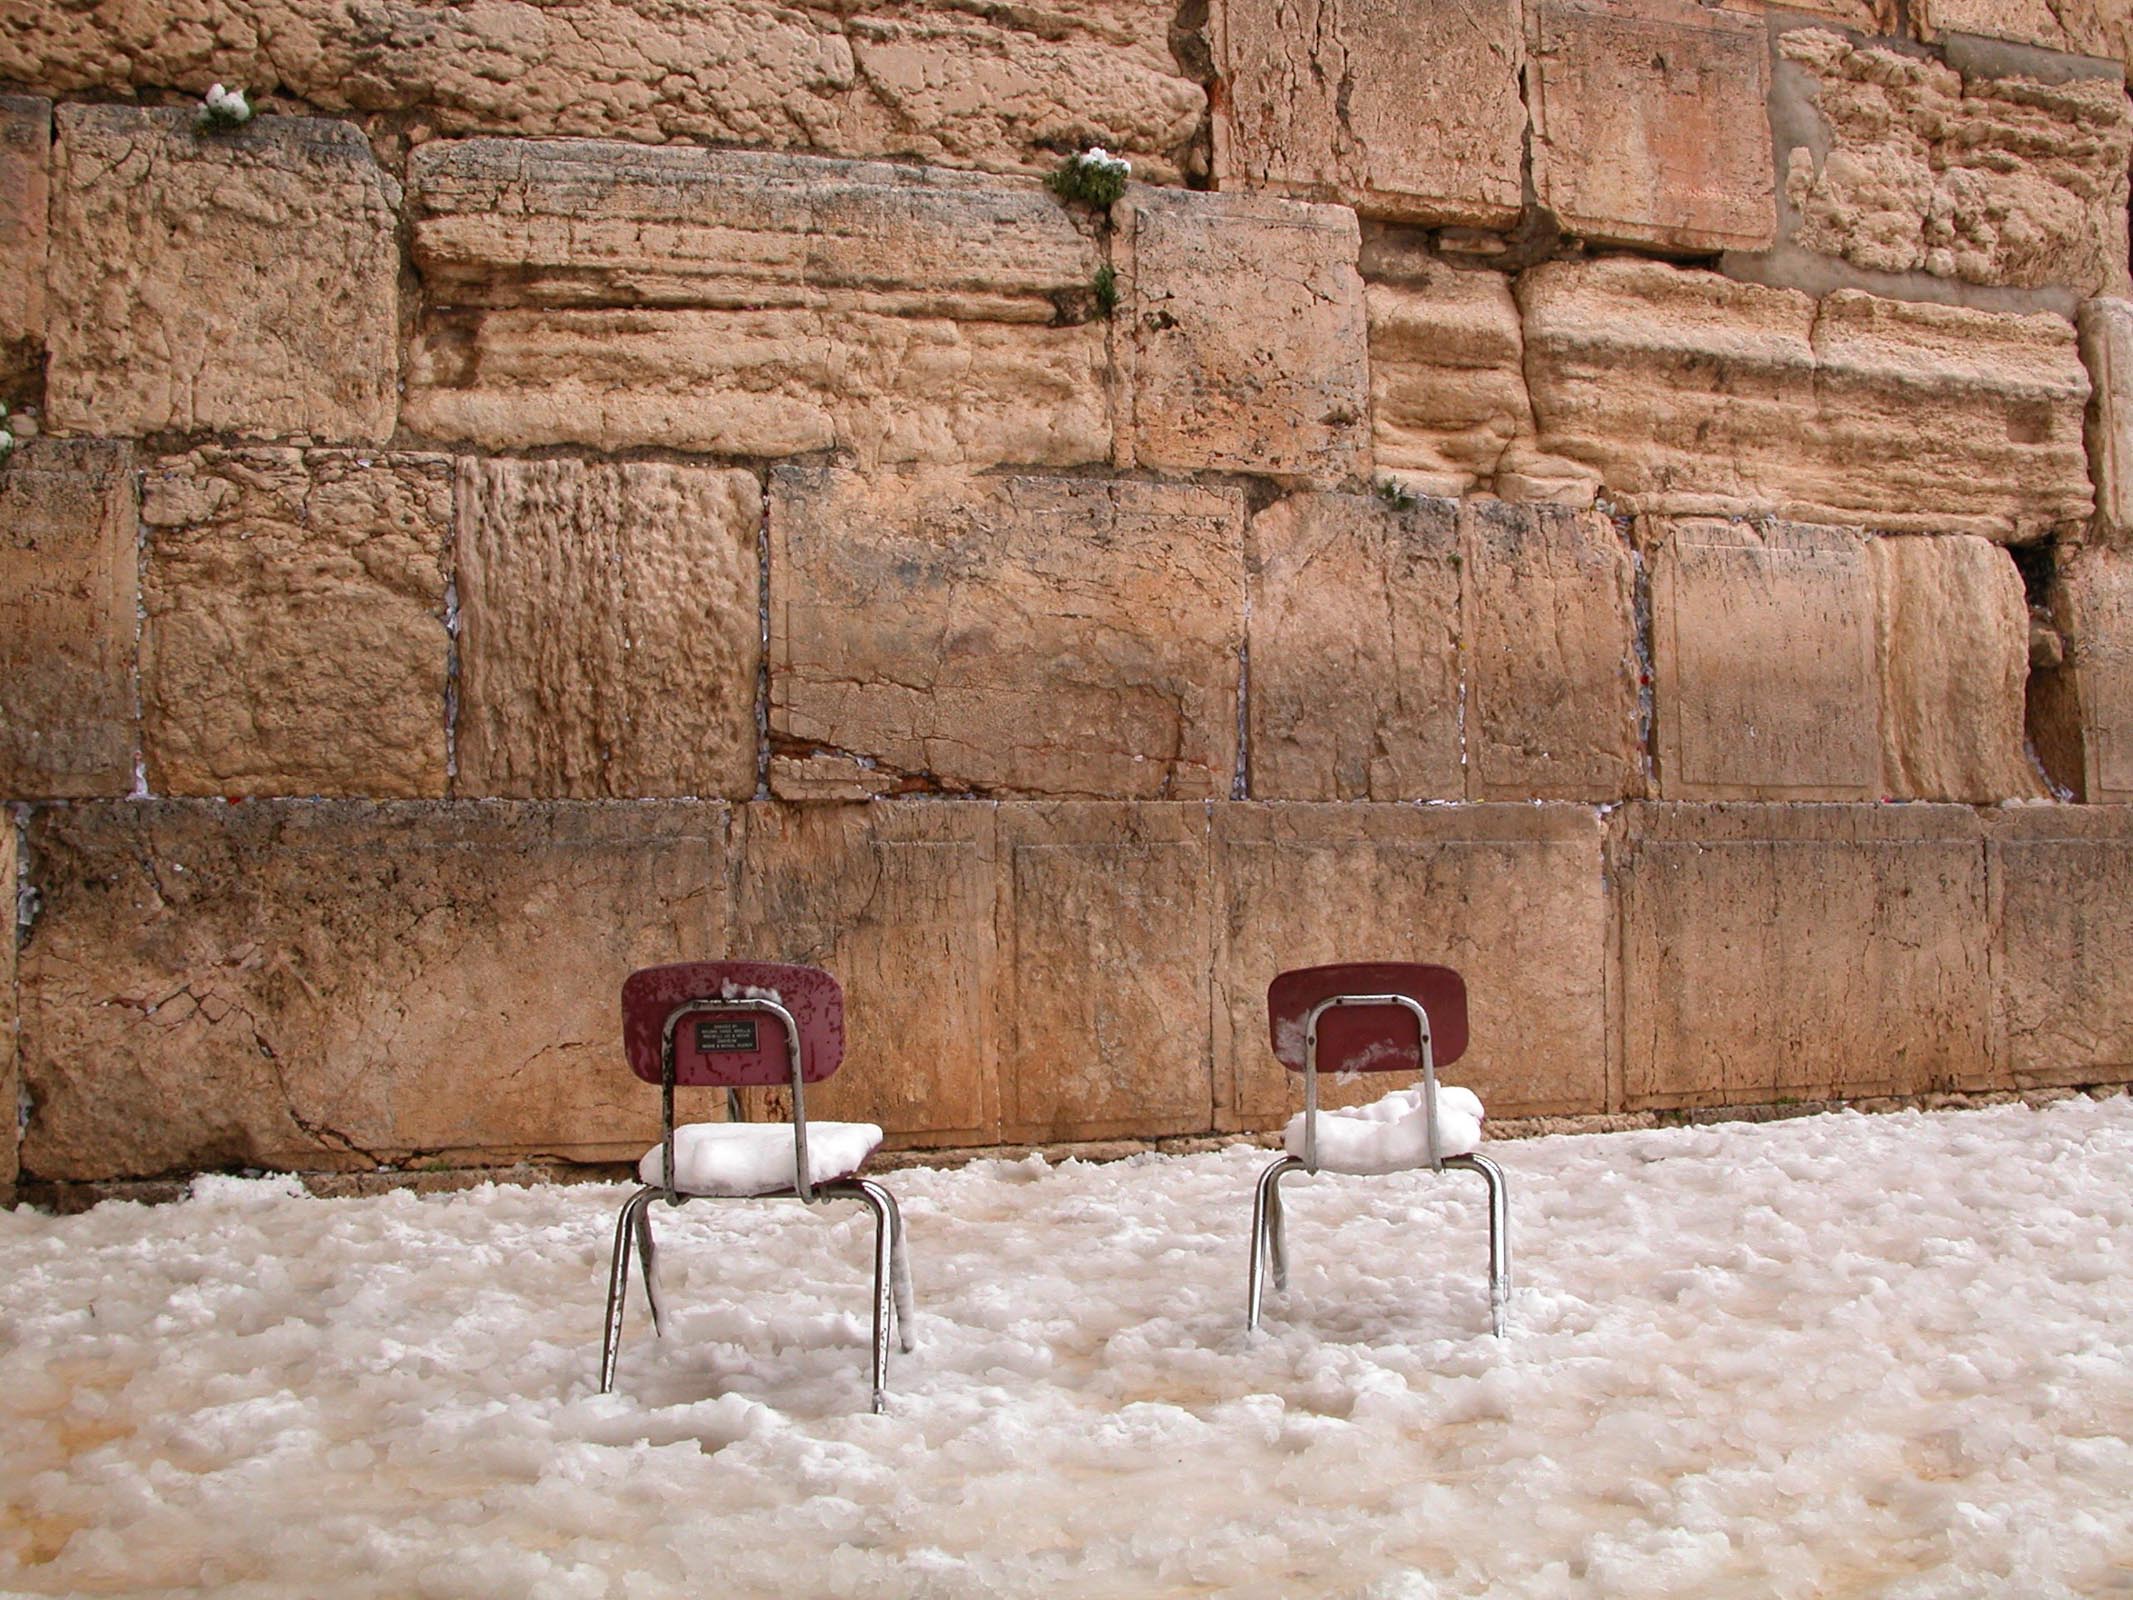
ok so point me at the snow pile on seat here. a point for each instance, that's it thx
(734, 1159)
(1392, 1134)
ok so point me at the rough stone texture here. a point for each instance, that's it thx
(896, 900)
(1551, 650)
(1447, 379)
(2062, 916)
(1685, 393)
(1106, 922)
(2084, 722)
(295, 639)
(1800, 952)
(609, 641)
(2107, 351)
(1648, 122)
(10, 1081)
(2077, 27)
(69, 579)
(1047, 636)
(1763, 660)
(1246, 343)
(1355, 658)
(25, 197)
(1953, 645)
(1914, 167)
(950, 84)
(1511, 896)
(1321, 100)
(333, 985)
(615, 295)
(245, 282)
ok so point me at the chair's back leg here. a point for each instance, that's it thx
(648, 1263)
(618, 1280)
(1499, 1234)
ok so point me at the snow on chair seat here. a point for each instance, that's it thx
(743, 1160)
(1389, 1135)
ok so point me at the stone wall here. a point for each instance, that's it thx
(1631, 498)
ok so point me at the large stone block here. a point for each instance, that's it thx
(1321, 102)
(1106, 917)
(25, 198)
(1511, 895)
(69, 585)
(1245, 338)
(340, 984)
(2062, 920)
(1074, 637)
(2107, 351)
(1685, 393)
(10, 1078)
(716, 300)
(1447, 379)
(295, 640)
(609, 641)
(1648, 122)
(2095, 28)
(1800, 952)
(896, 900)
(2086, 706)
(244, 282)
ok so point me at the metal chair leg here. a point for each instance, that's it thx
(618, 1279)
(1499, 1234)
(884, 1208)
(1266, 1230)
(899, 1276)
(648, 1264)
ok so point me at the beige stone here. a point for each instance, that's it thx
(746, 304)
(244, 282)
(2107, 351)
(25, 197)
(331, 985)
(1775, 952)
(69, 578)
(10, 1079)
(1550, 630)
(295, 639)
(2088, 709)
(2062, 923)
(1245, 337)
(2013, 181)
(1106, 920)
(609, 641)
(1510, 895)
(1321, 102)
(896, 900)
(1447, 379)
(1685, 393)
(1649, 125)
(2078, 27)
(1073, 637)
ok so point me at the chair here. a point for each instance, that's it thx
(735, 1025)
(1379, 1016)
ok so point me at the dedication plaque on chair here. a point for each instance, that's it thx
(735, 1033)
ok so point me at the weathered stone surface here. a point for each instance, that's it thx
(1648, 122)
(1245, 336)
(1355, 630)
(245, 282)
(1953, 646)
(1800, 952)
(295, 640)
(615, 295)
(609, 641)
(1685, 393)
(1106, 916)
(10, 1079)
(1447, 379)
(2077, 27)
(1321, 101)
(897, 900)
(1763, 660)
(950, 84)
(2062, 920)
(1551, 707)
(25, 197)
(1510, 895)
(2013, 181)
(333, 985)
(2107, 351)
(1048, 636)
(2086, 713)
(69, 579)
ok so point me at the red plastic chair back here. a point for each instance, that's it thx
(1368, 1038)
(719, 1045)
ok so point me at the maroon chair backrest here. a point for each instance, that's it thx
(720, 1045)
(1368, 1038)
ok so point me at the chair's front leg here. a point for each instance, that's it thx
(618, 1280)
(884, 1208)
(899, 1275)
(648, 1263)
(1266, 1230)
(1499, 1234)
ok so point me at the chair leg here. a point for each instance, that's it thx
(1499, 1234)
(1267, 1238)
(899, 1276)
(618, 1280)
(884, 1208)
(648, 1263)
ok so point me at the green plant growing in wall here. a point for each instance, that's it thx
(1396, 494)
(1105, 288)
(222, 110)
(1093, 178)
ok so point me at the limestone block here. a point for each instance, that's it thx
(1510, 895)
(1688, 394)
(1071, 637)
(25, 197)
(1773, 952)
(1649, 124)
(609, 641)
(2077, 27)
(716, 300)
(331, 985)
(2107, 351)
(2088, 711)
(2062, 920)
(1355, 628)
(1246, 340)
(1322, 97)
(69, 580)
(1914, 167)
(10, 1079)
(1107, 915)
(1763, 659)
(244, 282)
(1447, 379)
(1550, 630)
(897, 900)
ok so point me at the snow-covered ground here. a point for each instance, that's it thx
(1841, 1355)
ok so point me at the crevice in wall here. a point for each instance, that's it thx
(762, 664)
